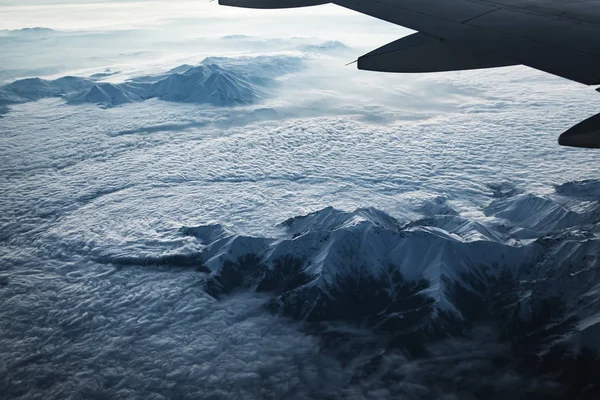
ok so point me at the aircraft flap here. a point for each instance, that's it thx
(423, 53)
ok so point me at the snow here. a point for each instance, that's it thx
(33, 89)
(106, 94)
(207, 84)
(442, 248)
(221, 82)
(539, 214)
(586, 190)
(325, 47)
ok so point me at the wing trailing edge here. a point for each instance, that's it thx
(423, 53)
(585, 134)
(271, 4)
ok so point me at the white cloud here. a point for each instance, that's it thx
(129, 333)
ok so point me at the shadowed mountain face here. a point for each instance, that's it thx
(220, 82)
(530, 275)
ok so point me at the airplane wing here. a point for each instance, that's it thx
(561, 37)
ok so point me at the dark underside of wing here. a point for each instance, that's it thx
(496, 34)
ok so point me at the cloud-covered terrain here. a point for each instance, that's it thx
(246, 217)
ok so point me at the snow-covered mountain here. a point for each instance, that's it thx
(265, 67)
(532, 268)
(104, 74)
(218, 81)
(108, 95)
(325, 47)
(207, 84)
(33, 89)
(34, 32)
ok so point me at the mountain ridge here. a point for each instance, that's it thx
(445, 256)
(218, 81)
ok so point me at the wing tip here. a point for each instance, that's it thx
(585, 134)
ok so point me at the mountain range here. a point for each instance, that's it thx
(222, 82)
(530, 268)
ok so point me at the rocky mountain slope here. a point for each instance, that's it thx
(530, 269)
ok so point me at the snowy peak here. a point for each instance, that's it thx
(325, 47)
(180, 69)
(542, 214)
(443, 270)
(207, 84)
(29, 33)
(222, 82)
(331, 219)
(107, 95)
(32, 89)
(268, 67)
(584, 190)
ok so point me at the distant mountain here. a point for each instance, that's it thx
(33, 89)
(210, 84)
(108, 95)
(325, 47)
(102, 75)
(180, 69)
(37, 29)
(29, 32)
(235, 37)
(222, 82)
(265, 67)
